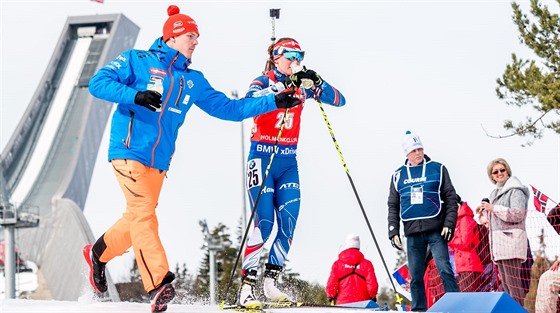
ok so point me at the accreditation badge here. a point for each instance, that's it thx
(416, 195)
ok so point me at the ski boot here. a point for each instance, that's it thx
(271, 292)
(247, 298)
(97, 277)
(162, 295)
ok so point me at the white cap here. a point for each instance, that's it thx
(352, 241)
(411, 142)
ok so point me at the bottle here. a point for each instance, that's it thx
(306, 83)
(157, 85)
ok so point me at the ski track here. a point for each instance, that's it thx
(90, 306)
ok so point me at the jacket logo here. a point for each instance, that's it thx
(157, 71)
(186, 99)
(414, 180)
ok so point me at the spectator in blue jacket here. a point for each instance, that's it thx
(154, 90)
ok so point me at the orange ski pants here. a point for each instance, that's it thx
(138, 226)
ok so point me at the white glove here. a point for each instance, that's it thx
(396, 242)
(447, 233)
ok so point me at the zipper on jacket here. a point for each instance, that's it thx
(163, 105)
(129, 134)
(180, 92)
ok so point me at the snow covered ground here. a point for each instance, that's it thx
(88, 305)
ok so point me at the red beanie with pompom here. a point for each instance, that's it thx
(178, 24)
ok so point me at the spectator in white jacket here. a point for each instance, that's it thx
(506, 210)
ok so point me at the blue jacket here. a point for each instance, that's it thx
(149, 137)
(439, 202)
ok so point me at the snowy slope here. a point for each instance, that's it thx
(89, 306)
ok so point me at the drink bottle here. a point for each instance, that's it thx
(306, 83)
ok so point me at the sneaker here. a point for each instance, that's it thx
(161, 296)
(271, 291)
(97, 277)
(247, 296)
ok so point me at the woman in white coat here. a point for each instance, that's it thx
(506, 210)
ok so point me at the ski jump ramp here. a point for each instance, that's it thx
(49, 159)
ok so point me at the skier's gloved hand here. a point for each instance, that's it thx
(312, 75)
(292, 81)
(396, 242)
(149, 99)
(447, 233)
(332, 301)
(286, 99)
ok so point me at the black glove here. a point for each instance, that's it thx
(149, 99)
(286, 99)
(292, 81)
(396, 242)
(447, 233)
(312, 75)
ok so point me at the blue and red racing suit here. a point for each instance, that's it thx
(281, 194)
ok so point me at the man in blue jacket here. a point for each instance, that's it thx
(422, 196)
(154, 90)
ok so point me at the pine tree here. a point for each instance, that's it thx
(402, 258)
(184, 284)
(135, 272)
(539, 267)
(534, 82)
(542, 245)
(301, 289)
(225, 259)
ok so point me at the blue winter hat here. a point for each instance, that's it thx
(411, 142)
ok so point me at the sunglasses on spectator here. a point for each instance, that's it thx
(498, 171)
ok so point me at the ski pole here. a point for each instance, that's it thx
(274, 14)
(275, 147)
(355, 192)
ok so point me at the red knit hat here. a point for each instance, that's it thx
(178, 24)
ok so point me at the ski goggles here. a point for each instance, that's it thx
(290, 54)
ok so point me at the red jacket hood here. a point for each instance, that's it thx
(351, 256)
(465, 210)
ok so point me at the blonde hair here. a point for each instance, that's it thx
(494, 162)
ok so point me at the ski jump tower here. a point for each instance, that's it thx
(49, 159)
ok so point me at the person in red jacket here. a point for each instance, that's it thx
(467, 262)
(352, 276)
